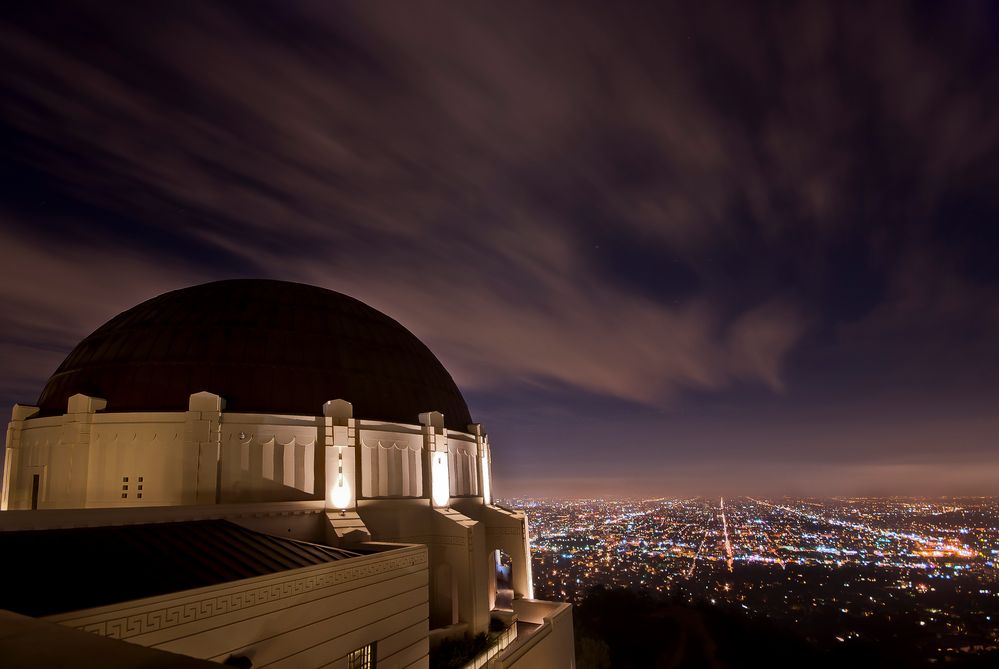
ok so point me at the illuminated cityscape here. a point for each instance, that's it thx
(836, 571)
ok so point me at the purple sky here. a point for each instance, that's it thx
(685, 249)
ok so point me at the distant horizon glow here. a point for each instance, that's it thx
(972, 480)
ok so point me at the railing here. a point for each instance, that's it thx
(530, 641)
(498, 645)
(506, 508)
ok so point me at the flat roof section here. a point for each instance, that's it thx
(56, 571)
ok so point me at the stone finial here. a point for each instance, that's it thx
(80, 403)
(341, 409)
(432, 419)
(23, 412)
(206, 401)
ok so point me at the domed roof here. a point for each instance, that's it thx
(265, 347)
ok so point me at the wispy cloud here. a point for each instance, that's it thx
(637, 203)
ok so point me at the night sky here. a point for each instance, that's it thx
(664, 250)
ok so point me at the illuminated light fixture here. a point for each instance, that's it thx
(340, 492)
(440, 491)
(487, 497)
(530, 574)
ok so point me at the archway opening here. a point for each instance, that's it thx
(503, 578)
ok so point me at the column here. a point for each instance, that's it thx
(436, 478)
(203, 443)
(12, 450)
(341, 455)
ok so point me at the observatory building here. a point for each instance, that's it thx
(261, 474)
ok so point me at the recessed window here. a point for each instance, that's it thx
(124, 479)
(362, 658)
(124, 495)
(139, 495)
(140, 479)
(140, 486)
(124, 487)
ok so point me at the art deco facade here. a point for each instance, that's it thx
(265, 474)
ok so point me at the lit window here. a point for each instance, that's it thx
(362, 658)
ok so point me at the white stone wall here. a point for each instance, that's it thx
(89, 457)
(548, 647)
(463, 465)
(269, 457)
(125, 448)
(36, 448)
(391, 463)
(307, 617)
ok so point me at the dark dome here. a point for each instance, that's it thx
(264, 346)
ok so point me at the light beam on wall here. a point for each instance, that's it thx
(487, 492)
(340, 492)
(527, 565)
(440, 489)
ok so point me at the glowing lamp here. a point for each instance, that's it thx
(440, 491)
(340, 492)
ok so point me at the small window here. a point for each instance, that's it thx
(124, 487)
(362, 658)
(124, 495)
(124, 479)
(140, 479)
(140, 486)
(139, 495)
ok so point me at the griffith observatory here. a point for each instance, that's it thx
(259, 473)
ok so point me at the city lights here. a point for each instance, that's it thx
(840, 565)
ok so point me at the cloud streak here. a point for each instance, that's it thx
(630, 203)
(295, 185)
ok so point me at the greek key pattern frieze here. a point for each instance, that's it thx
(432, 539)
(124, 627)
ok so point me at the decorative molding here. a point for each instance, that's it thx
(396, 444)
(124, 627)
(428, 539)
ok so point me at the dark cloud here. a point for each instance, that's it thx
(642, 208)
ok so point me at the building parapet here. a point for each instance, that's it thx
(538, 648)
(376, 600)
(45, 519)
(157, 614)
